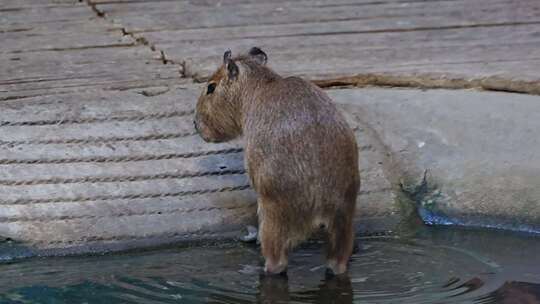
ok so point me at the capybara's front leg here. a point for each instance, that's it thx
(274, 240)
(340, 242)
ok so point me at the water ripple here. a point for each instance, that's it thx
(439, 266)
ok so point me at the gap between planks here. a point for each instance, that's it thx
(420, 80)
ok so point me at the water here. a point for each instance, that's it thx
(437, 265)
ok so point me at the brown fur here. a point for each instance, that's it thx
(300, 154)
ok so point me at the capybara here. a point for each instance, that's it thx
(300, 154)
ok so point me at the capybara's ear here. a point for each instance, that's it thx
(258, 55)
(232, 69)
(227, 56)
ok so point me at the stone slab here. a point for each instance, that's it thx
(465, 157)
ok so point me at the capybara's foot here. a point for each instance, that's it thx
(336, 268)
(275, 268)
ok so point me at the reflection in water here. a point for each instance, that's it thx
(514, 293)
(273, 289)
(436, 266)
(467, 287)
(334, 289)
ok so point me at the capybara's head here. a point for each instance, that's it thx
(218, 113)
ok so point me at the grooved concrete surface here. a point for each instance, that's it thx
(97, 150)
(119, 166)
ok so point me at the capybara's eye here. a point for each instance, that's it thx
(211, 88)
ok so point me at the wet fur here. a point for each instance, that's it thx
(300, 154)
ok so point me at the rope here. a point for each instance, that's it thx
(118, 159)
(122, 178)
(92, 139)
(97, 119)
(81, 199)
(187, 236)
(155, 212)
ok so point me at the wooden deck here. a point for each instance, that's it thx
(96, 100)
(432, 43)
(56, 47)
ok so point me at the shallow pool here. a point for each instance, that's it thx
(436, 265)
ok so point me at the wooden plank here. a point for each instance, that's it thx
(243, 2)
(97, 105)
(173, 15)
(22, 67)
(288, 7)
(58, 87)
(339, 34)
(79, 76)
(59, 71)
(66, 41)
(312, 63)
(142, 85)
(61, 48)
(56, 28)
(45, 14)
(7, 4)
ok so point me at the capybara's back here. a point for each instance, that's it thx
(300, 154)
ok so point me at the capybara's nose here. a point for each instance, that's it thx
(195, 125)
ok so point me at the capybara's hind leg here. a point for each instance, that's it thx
(340, 242)
(274, 242)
